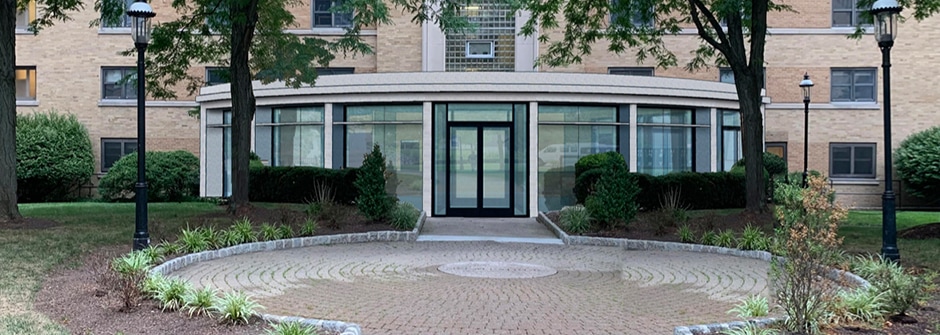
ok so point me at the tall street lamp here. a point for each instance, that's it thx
(806, 85)
(140, 14)
(885, 14)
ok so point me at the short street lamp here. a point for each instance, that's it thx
(140, 14)
(806, 85)
(885, 13)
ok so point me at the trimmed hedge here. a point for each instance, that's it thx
(294, 184)
(53, 156)
(171, 176)
(708, 190)
(918, 163)
(589, 169)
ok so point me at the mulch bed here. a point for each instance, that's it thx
(921, 232)
(654, 226)
(82, 300)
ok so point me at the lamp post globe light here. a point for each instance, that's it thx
(806, 85)
(885, 14)
(140, 14)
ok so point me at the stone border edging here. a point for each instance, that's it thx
(628, 244)
(298, 242)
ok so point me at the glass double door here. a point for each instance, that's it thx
(480, 169)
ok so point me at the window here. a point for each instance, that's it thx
(296, 136)
(778, 148)
(731, 148)
(125, 21)
(637, 17)
(852, 160)
(112, 149)
(631, 71)
(328, 71)
(480, 49)
(398, 132)
(24, 18)
(845, 13)
(217, 75)
(726, 75)
(853, 85)
(324, 15)
(25, 82)
(672, 140)
(119, 83)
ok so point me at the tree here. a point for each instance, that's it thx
(732, 33)
(249, 37)
(53, 10)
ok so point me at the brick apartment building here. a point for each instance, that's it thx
(437, 102)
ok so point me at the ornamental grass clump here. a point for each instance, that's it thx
(753, 306)
(268, 232)
(309, 228)
(861, 305)
(291, 328)
(235, 307)
(170, 296)
(575, 219)
(404, 216)
(808, 242)
(686, 235)
(193, 240)
(241, 232)
(200, 302)
(901, 289)
(752, 239)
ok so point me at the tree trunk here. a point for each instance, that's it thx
(752, 135)
(8, 208)
(243, 99)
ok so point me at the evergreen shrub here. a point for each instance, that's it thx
(296, 184)
(53, 156)
(171, 176)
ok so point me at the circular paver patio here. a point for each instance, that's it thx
(398, 287)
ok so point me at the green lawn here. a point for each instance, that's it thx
(27, 255)
(862, 233)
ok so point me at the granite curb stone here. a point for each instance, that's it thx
(344, 328)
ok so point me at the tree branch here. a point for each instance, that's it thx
(694, 7)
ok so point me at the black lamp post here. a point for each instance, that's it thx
(806, 85)
(885, 14)
(141, 13)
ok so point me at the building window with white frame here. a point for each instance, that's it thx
(123, 22)
(852, 160)
(119, 83)
(845, 13)
(853, 85)
(398, 131)
(731, 148)
(637, 18)
(25, 17)
(672, 140)
(631, 71)
(217, 75)
(290, 136)
(112, 149)
(24, 82)
(326, 16)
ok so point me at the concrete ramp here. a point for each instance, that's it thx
(517, 230)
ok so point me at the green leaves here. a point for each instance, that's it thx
(918, 163)
(53, 155)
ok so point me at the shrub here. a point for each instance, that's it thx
(200, 302)
(709, 238)
(751, 307)
(752, 239)
(614, 198)
(575, 219)
(154, 253)
(297, 184)
(241, 232)
(153, 284)
(53, 156)
(808, 240)
(373, 200)
(917, 165)
(284, 231)
(709, 190)
(131, 270)
(236, 307)
(404, 216)
(171, 176)
(773, 164)
(589, 169)
(291, 328)
(726, 239)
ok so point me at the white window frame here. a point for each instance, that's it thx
(491, 54)
(30, 82)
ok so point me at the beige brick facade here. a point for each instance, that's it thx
(69, 57)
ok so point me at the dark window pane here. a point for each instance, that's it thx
(843, 4)
(841, 167)
(841, 78)
(864, 77)
(841, 94)
(323, 19)
(864, 93)
(842, 153)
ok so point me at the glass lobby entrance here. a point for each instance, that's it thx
(480, 160)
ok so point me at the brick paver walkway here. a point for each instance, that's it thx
(396, 287)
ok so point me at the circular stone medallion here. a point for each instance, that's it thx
(498, 270)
